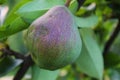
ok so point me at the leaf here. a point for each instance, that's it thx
(115, 48)
(73, 6)
(13, 23)
(2, 1)
(12, 16)
(114, 75)
(16, 43)
(29, 17)
(36, 8)
(16, 26)
(38, 5)
(41, 74)
(90, 61)
(112, 60)
(8, 64)
(84, 22)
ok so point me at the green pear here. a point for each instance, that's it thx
(53, 39)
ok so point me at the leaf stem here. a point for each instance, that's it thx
(67, 3)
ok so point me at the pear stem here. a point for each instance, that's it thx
(67, 3)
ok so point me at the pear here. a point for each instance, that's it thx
(53, 39)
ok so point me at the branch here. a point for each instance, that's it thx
(27, 61)
(7, 51)
(24, 67)
(67, 3)
(112, 38)
(80, 3)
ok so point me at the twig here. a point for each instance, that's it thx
(112, 38)
(24, 67)
(67, 3)
(80, 3)
(7, 51)
(27, 61)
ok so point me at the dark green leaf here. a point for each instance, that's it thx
(112, 60)
(2, 1)
(8, 64)
(115, 48)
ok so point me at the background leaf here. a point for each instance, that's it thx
(16, 26)
(90, 21)
(12, 16)
(36, 8)
(90, 60)
(2, 1)
(73, 6)
(7, 64)
(16, 43)
(112, 60)
(13, 23)
(41, 74)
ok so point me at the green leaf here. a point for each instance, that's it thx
(115, 48)
(112, 60)
(73, 6)
(16, 26)
(83, 22)
(12, 16)
(36, 8)
(41, 74)
(13, 23)
(8, 64)
(2, 1)
(114, 74)
(16, 43)
(38, 5)
(90, 61)
(29, 17)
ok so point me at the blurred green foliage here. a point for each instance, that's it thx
(96, 20)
